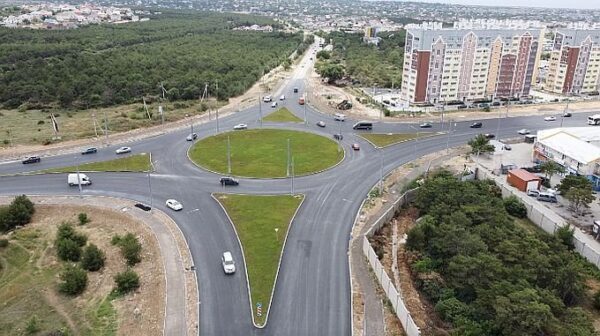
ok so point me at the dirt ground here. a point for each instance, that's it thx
(138, 313)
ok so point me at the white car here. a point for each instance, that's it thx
(274, 104)
(228, 263)
(524, 131)
(267, 99)
(240, 127)
(282, 97)
(550, 118)
(123, 150)
(174, 204)
(339, 117)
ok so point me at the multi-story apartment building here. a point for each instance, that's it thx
(444, 65)
(574, 66)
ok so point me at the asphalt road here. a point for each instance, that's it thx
(312, 295)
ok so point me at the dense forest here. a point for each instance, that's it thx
(102, 65)
(368, 64)
(489, 275)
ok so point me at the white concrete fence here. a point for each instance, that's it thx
(391, 292)
(547, 219)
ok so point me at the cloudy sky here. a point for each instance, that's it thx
(585, 4)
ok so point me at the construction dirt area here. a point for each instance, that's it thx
(31, 270)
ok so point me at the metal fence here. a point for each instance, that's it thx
(546, 219)
(391, 292)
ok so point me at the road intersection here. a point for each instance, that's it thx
(313, 294)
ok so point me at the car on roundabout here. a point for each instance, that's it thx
(425, 125)
(31, 159)
(550, 118)
(355, 146)
(476, 125)
(174, 204)
(123, 150)
(274, 104)
(524, 131)
(91, 150)
(567, 114)
(228, 263)
(240, 127)
(338, 136)
(321, 123)
(192, 137)
(489, 135)
(227, 180)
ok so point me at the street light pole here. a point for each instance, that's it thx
(260, 111)
(228, 156)
(79, 181)
(288, 158)
(150, 190)
(448, 138)
(292, 175)
(381, 172)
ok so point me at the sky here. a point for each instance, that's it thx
(582, 4)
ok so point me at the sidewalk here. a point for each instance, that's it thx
(181, 297)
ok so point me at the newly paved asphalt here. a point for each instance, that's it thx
(312, 295)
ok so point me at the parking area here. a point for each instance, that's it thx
(520, 156)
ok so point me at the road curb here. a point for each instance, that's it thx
(399, 142)
(243, 254)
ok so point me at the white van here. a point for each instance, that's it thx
(547, 197)
(339, 117)
(72, 179)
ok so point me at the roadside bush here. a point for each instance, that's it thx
(92, 258)
(565, 235)
(83, 218)
(74, 280)
(130, 248)
(514, 207)
(127, 281)
(19, 212)
(68, 250)
(3, 243)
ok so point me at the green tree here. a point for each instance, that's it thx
(324, 55)
(332, 72)
(480, 145)
(580, 198)
(18, 212)
(522, 313)
(130, 248)
(127, 281)
(565, 235)
(92, 258)
(515, 207)
(68, 250)
(550, 168)
(83, 218)
(73, 280)
(66, 231)
(574, 181)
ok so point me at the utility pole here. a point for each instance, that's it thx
(305, 120)
(217, 100)
(292, 176)
(381, 176)
(228, 156)
(150, 190)
(106, 127)
(288, 158)
(79, 179)
(260, 111)
(448, 138)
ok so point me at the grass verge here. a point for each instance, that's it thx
(134, 163)
(263, 152)
(262, 232)
(386, 139)
(282, 115)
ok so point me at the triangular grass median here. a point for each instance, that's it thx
(133, 163)
(256, 218)
(282, 115)
(387, 139)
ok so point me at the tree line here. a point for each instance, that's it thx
(488, 275)
(366, 64)
(103, 65)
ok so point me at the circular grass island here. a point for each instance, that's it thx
(262, 153)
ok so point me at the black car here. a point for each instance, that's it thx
(295, 90)
(31, 159)
(338, 136)
(229, 181)
(425, 125)
(476, 125)
(567, 114)
(489, 135)
(91, 150)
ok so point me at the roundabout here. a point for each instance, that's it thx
(266, 153)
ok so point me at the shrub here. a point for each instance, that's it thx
(41, 122)
(68, 250)
(3, 243)
(514, 207)
(66, 231)
(127, 281)
(32, 326)
(74, 280)
(596, 300)
(19, 212)
(83, 218)
(565, 235)
(130, 248)
(92, 258)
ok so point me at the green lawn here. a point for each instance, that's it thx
(263, 152)
(386, 139)
(24, 283)
(135, 163)
(255, 221)
(282, 115)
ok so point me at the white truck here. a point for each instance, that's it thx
(72, 179)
